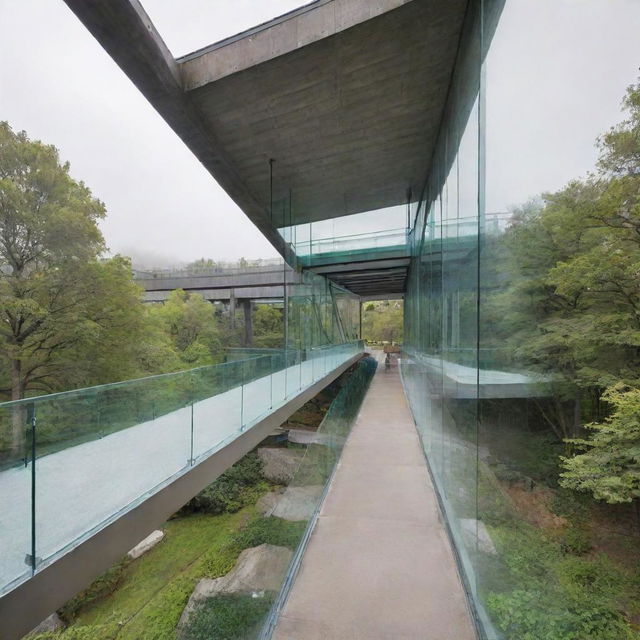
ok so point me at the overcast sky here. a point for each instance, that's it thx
(557, 72)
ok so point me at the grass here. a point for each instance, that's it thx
(153, 590)
(143, 599)
(228, 617)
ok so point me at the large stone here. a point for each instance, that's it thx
(52, 623)
(257, 570)
(280, 464)
(148, 543)
(303, 436)
(475, 531)
(292, 503)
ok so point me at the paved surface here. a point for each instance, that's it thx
(379, 564)
(82, 487)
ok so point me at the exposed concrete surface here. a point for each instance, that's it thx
(293, 503)
(379, 564)
(145, 545)
(257, 570)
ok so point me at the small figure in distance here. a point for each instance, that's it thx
(387, 362)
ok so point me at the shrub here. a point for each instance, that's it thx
(236, 488)
(271, 530)
(227, 617)
(101, 587)
(536, 614)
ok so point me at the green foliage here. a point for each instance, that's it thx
(92, 632)
(532, 614)
(103, 586)
(610, 466)
(236, 488)
(68, 317)
(383, 321)
(227, 617)
(271, 530)
(268, 327)
(189, 321)
(556, 595)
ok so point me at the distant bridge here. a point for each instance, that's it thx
(218, 284)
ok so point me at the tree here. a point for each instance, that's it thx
(571, 306)
(268, 327)
(609, 468)
(49, 244)
(383, 321)
(189, 321)
(202, 264)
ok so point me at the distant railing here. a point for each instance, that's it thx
(493, 224)
(72, 462)
(220, 268)
(386, 239)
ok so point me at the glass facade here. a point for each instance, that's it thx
(496, 366)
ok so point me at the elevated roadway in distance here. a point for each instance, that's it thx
(220, 284)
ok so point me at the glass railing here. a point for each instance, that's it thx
(466, 227)
(375, 240)
(72, 462)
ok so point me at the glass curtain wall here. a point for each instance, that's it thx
(515, 324)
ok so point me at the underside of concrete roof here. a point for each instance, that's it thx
(345, 96)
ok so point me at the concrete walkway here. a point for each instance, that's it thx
(379, 564)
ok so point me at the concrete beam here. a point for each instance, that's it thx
(282, 35)
(32, 601)
(222, 295)
(127, 34)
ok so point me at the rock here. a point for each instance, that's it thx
(52, 623)
(475, 530)
(280, 464)
(302, 436)
(257, 570)
(148, 543)
(292, 503)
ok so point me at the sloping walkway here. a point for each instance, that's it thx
(379, 564)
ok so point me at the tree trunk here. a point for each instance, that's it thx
(17, 413)
(577, 414)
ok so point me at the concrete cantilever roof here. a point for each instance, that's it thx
(345, 95)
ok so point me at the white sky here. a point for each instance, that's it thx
(557, 72)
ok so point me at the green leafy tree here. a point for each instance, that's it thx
(383, 321)
(189, 321)
(570, 308)
(268, 327)
(202, 264)
(49, 244)
(609, 467)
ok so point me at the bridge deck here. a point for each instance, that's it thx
(379, 564)
(82, 488)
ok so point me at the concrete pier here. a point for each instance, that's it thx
(379, 564)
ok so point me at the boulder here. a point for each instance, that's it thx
(257, 570)
(148, 543)
(280, 464)
(475, 530)
(292, 503)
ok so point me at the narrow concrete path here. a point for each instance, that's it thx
(379, 564)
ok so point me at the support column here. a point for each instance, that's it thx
(247, 306)
(232, 309)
